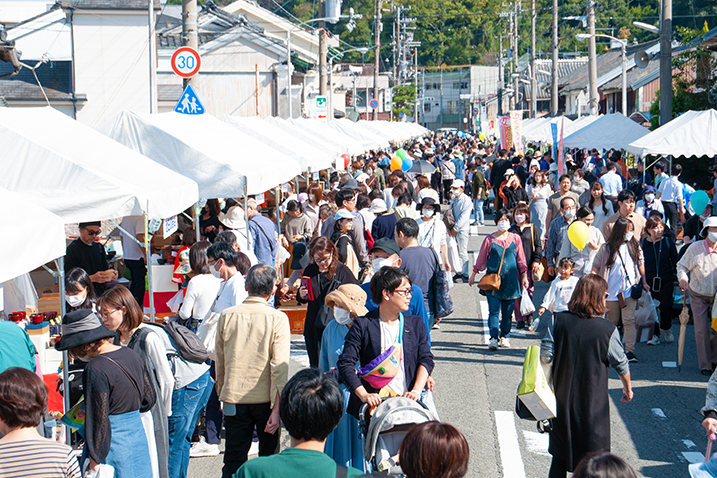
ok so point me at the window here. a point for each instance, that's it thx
(428, 86)
(453, 107)
(426, 107)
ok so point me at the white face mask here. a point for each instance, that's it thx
(712, 236)
(429, 212)
(503, 225)
(649, 197)
(570, 213)
(380, 262)
(216, 273)
(519, 218)
(342, 316)
(312, 197)
(76, 300)
(456, 192)
(628, 236)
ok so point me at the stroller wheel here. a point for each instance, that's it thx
(545, 426)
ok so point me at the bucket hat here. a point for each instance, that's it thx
(349, 297)
(81, 327)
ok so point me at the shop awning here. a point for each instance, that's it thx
(691, 134)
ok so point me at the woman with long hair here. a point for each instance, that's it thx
(209, 220)
(539, 191)
(425, 190)
(79, 291)
(202, 289)
(621, 263)
(121, 313)
(325, 274)
(530, 237)
(600, 206)
(581, 346)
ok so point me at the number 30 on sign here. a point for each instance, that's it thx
(186, 62)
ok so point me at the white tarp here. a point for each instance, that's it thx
(297, 131)
(378, 128)
(613, 131)
(691, 134)
(33, 236)
(215, 177)
(307, 154)
(263, 166)
(354, 146)
(543, 131)
(82, 175)
(356, 131)
(578, 124)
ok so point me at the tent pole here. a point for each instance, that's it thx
(65, 357)
(278, 211)
(148, 256)
(246, 221)
(195, 219)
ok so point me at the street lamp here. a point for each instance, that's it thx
(647, 26)
(623, 43)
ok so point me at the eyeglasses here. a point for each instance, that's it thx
(322, 260)
(404, 293)
(107, 313)
(93, 233)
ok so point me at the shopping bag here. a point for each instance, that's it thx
(714, 314)
(207, 331)
(453, 256)
(526, 304)
(176, 301)
(534, 390)
(646, 312)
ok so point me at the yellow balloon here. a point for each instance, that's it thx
(396, 163)
(579, 234)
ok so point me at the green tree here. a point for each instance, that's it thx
(404, 100)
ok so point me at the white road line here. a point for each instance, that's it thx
(484, 317)
(693, 456)
(669, 364)
(658, 413)
(511, 461)
(689, 443)
(298, 352)
(537, 442)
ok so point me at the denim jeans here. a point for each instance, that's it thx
(478, 210)
(187, 403)
(462, 240)
(499, 327)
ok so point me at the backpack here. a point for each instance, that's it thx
(351, 259)
(190, 347)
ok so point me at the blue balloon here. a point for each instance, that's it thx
(699, 201)
(407, 164)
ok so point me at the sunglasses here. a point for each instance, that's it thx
(93, 233)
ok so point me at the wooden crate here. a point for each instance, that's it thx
(297, 316)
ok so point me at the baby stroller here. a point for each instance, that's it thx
(383, 431)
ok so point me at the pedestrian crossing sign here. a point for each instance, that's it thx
(189, 103)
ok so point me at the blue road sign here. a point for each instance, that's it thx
(189, 103)
(373, 103)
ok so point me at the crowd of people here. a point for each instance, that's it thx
(363, 250)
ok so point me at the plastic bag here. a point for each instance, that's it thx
(282, 255)
(646, 313)
(176, 301)
(526, 304)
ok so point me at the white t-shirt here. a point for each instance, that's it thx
(433, 234)
(617, 281)
(134, 225)
(233, 293)
(389, 337)
(201, 292)
(559, 294)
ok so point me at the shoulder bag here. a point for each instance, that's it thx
(538, 273)
(492, 281)
(636, 289)
(442, 301)
(325, 314)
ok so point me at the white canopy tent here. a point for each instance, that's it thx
(612, 131)
(385, 135)
(578, 124)
(296, 131)
(21, 253)
(691, 134)
(313, 157)
(354, 146)
(402, 131)
(543, 132)
(357, 131)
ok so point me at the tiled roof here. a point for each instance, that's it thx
(169, 92)
(544, 69)
(632, 76)
(109, 4)
(55, 78)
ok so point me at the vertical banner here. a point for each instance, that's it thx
(506, 139)
(562, 168)
(516, 127)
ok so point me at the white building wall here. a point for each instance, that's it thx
(112, 63)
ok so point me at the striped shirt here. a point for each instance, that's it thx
(40, 458)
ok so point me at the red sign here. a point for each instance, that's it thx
(186, 62)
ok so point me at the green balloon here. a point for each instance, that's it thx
(401, 153)
(699, 201)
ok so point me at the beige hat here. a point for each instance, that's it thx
(251, 203)
(378, 206)
(349, 297)
(234, 217)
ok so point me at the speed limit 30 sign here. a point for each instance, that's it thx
(186, 62)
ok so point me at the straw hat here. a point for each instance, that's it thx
(349, 297)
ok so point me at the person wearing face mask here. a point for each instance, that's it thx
(79, 292)
(648, 204)
(312, 204)
(621, 263)
(533, 251)
(202, 289)
(343, 445)
(386, 253)
(626, 201)
(502, 253)
(583, 258)
(555, 201)
(461, 207)
(432, 231)
(558, 232)
(700, 262)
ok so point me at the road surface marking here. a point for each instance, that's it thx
(669, 364)
(298, 352)
(537, 442)
(693, 456)
(484, 316)
(658, 413)
(511, 461)
(689, 443)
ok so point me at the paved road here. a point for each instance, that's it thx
(658, 433)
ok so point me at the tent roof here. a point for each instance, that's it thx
(80, 174)
(296, 130)
(578, 124)
(353, 145)
(613, 131)
(21, 253)
(543, 131)
(369, 138)
(691, 134)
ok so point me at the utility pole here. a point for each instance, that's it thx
(518, 104)
(189, 34)
(592, 60)
(395, 42)
(554, 89)
(415, 63)
(323, 51)
(533, 82)
(666, 62)
(152, 59)
(500, 76)
(377, 54)
(511, 36)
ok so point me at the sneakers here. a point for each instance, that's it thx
(493, 345)
(202, 448)
(436, 327)
(521, 325)
(668, 336)
(458, 278)
(504, 342)
(655, 340)
(631, 357)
